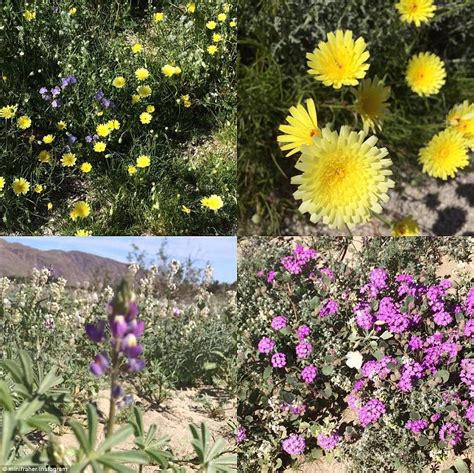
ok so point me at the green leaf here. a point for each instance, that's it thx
(115, 466)
(208, 366)
(444, 375)
(14, 369)
(415, 415)
(327, 370)
(27, 366)
(116, 438)
(128, 456)
(28, 408)
(6, 399)
(49, 381)
(92, 421)
(80, 434)
(8, 429)
(138, 422)
(159, 456)
(461, 466)
(386, 335)
(267, 372)
(423, 441)
(42, 421)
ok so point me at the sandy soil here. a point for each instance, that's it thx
(173, 419)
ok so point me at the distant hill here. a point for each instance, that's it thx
(76, 267)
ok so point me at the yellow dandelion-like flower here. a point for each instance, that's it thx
(137, 48)
(100, 147)
(462, 118)
(81, 209)
(50, 206)
(24, 122)
(83, 233)
(72, 11)
(416, 11)
(301, 129)
(177, 70)
(142, 73)
(68, 160)
(186, 101)
(150, 108)
(426, 74)
(29, 15)
(185, 209)
(136, 98)
(344, 178)
(61, 125)
(2, 183)
(221, 17)
(213, 202)
(103, 130)
(8, 112)
(406, 227)
(212, 50)
(371, 96)
(48, 139)
(144, 90)
(169, 71)
(86, 167)
(113, 124)
(216, 37)
(233, 24)
(211, 25)
(340, 60)
(39, 188)
(132, 170)
(146, 118)
(119, 82)
(191, 7)
(158, 17)
(20, 186)
(143, 161)
(44, 156)
(445, 154)
(226, 7)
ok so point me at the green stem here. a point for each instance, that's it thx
(112, 405)
(383, 220)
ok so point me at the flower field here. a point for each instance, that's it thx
(355, 346)
(117, 118)
(91, 375)
(366, 117)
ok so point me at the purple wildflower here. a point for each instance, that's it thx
(303, 332)
(451, 433)
(416, 426)
(470, 413)
(271, 276)
(279, 360)
(442, 318)
(294, 444)
(371, 411)
(303, 349)
(328, 442)
(266, 345)
(240, 435)
(279, 322)
(329, 308)
(308, 374)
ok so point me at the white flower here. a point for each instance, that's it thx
(354, 359)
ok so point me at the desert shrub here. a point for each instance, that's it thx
(81, 47)
(342, 355)
(273, 41)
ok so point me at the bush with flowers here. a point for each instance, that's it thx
(366, 100)
(344, 355)
(117, 121)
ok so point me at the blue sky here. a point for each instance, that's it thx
(220, 252)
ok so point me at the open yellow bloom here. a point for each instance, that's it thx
(61, 125)
(211, 25)
(86, 167)
(83, 233)
(461, 117)
(44, 156)
(73, 11)
(68, 160)
(416, 11)
(39, 188)
(8, 111)
(50, 206)
(103, 130)
(29, 15)
(169, 71)
(212, 50)
(445, 154)
(221, 17)
(340, 60)
(146, 118)
(213, 202)
(80, 210)
(143, 161)
(371, 97)
(344, 178)
(119, 82)
(426, 74)
(113, 124)
(191, 7)
(406, 227)
(132, 170)
(233, 24)
(142, 74)
(136, 98)
(24, 122)
(2, 183)
(186, 100)
(144, 90)
(158, 17)
(100, 147)
(20, 186)
(301, 129)
(137, 48)
(216, 37)
(150, 108)
(48, 139)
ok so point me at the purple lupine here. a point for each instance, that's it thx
(55, 91)
(303, 332)
(279, 322)
(371, 412)
(100, 365)
(416, 426)
(329, 308)
(266, 345)
(303, 350)
(99, 95)
(451, 433)
(240, 435)
(308, 374)
(328, 442)
(279, 360)
(294, 444)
